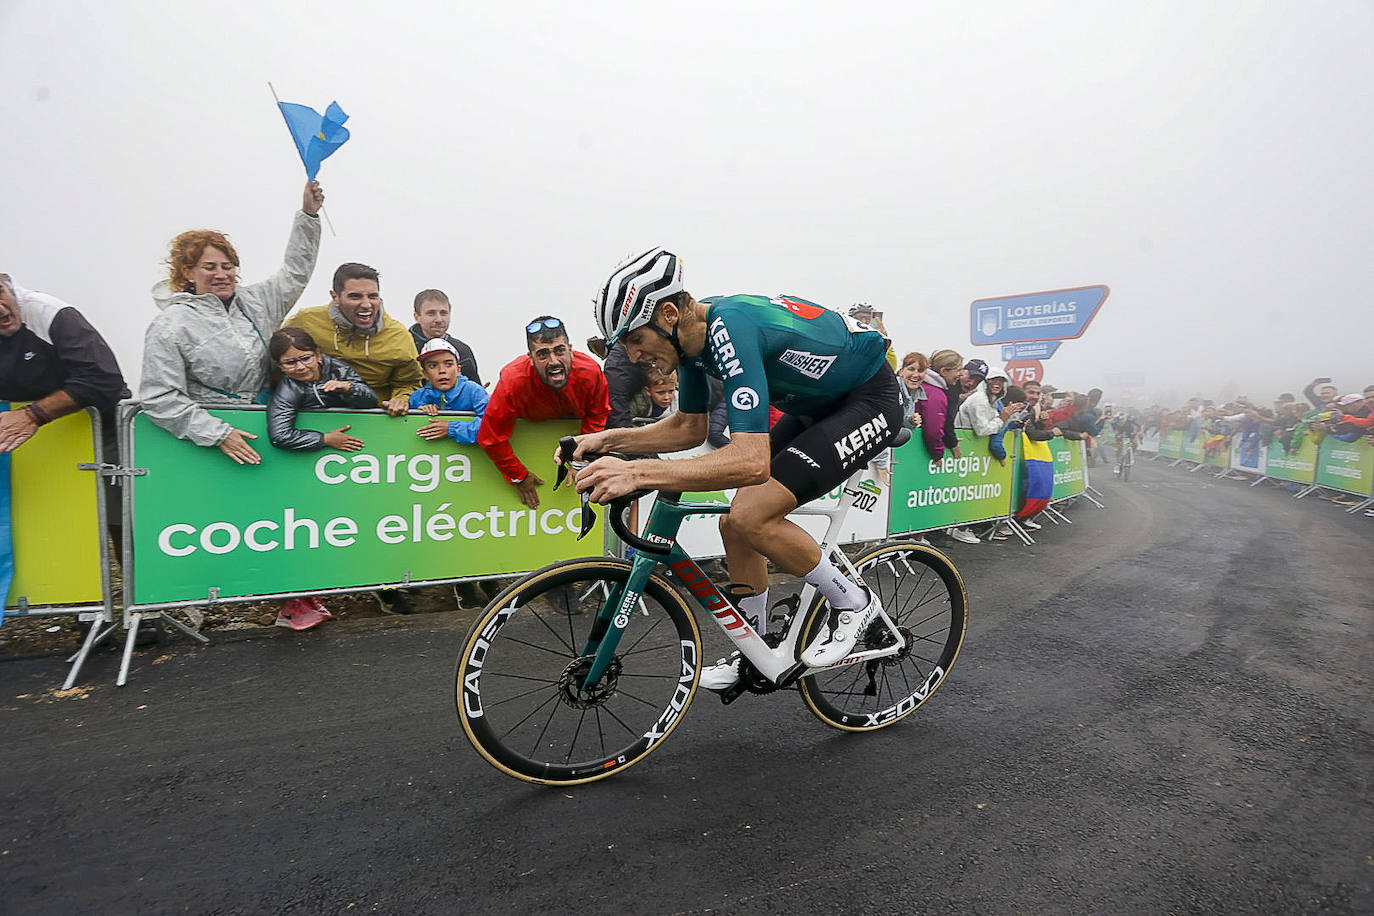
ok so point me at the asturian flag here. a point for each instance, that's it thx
(317, 135)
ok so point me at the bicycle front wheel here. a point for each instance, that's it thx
(924, 595)
(1126, 467)
(521, 672)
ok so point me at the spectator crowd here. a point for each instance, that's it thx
(1323, 411)
(217, 342)
(1289, 422)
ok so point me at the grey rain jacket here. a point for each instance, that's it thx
(291, 396)
(201, 352)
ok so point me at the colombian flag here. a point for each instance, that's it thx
(1039, 476)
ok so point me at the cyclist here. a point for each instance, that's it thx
(840, 404)
(1127, 430)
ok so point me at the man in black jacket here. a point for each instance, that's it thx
(50, 355)
(432, 316)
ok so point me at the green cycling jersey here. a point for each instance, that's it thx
(793, 354)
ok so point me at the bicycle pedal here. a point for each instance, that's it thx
(731, 693)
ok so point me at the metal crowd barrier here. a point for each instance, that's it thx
(58, 529)
(200, 530)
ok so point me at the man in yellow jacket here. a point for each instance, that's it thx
(355, 328)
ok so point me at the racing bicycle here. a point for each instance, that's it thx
(1125, 458)
(579, 670)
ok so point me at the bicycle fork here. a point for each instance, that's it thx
(610, 623)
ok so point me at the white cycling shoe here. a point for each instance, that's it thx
(842, 631)
(723, 675)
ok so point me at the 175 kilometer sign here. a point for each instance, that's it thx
(401, 509)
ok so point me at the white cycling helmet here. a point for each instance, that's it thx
(636, 285)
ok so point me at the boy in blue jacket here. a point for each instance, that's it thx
(446, 388)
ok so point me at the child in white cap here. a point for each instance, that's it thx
(446, 388)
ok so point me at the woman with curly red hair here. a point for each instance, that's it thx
(209, 345)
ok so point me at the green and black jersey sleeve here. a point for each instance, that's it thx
(783, 351)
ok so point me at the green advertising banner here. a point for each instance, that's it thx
(1171, 444)
(1191, 450)
(402, 509)
(1300, 467)
(1070, 478)
(928, 494)
(1347, 466)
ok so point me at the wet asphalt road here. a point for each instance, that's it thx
(1163, 708)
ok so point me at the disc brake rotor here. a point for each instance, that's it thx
(570, 682)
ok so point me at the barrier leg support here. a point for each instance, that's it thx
(134, 620)
(1056, 516)
(1259, 480)
(92, 639)
(184, 628)
(1092, 495)
(1020, 532)
(1364, 505)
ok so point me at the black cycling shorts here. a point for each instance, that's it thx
(814, 455)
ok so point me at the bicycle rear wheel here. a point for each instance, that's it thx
(924, 595)
(521, 669)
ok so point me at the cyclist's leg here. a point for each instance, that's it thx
(747, 566)
(809, 459)
(757, 514)
(819, 458)
(758, 522)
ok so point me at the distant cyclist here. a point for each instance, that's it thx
(1126, 429)
(841, 406)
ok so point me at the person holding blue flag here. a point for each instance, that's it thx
(209, 345)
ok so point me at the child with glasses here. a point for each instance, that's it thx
(309, 380)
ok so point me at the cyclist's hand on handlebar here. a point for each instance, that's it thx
(606, 479)
(558, 456)
(590, 444)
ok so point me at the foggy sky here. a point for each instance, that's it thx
(1210, 162)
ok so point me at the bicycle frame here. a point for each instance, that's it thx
(1125, 451)
(778, 665)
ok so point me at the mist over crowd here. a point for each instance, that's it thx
(1208, 167)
